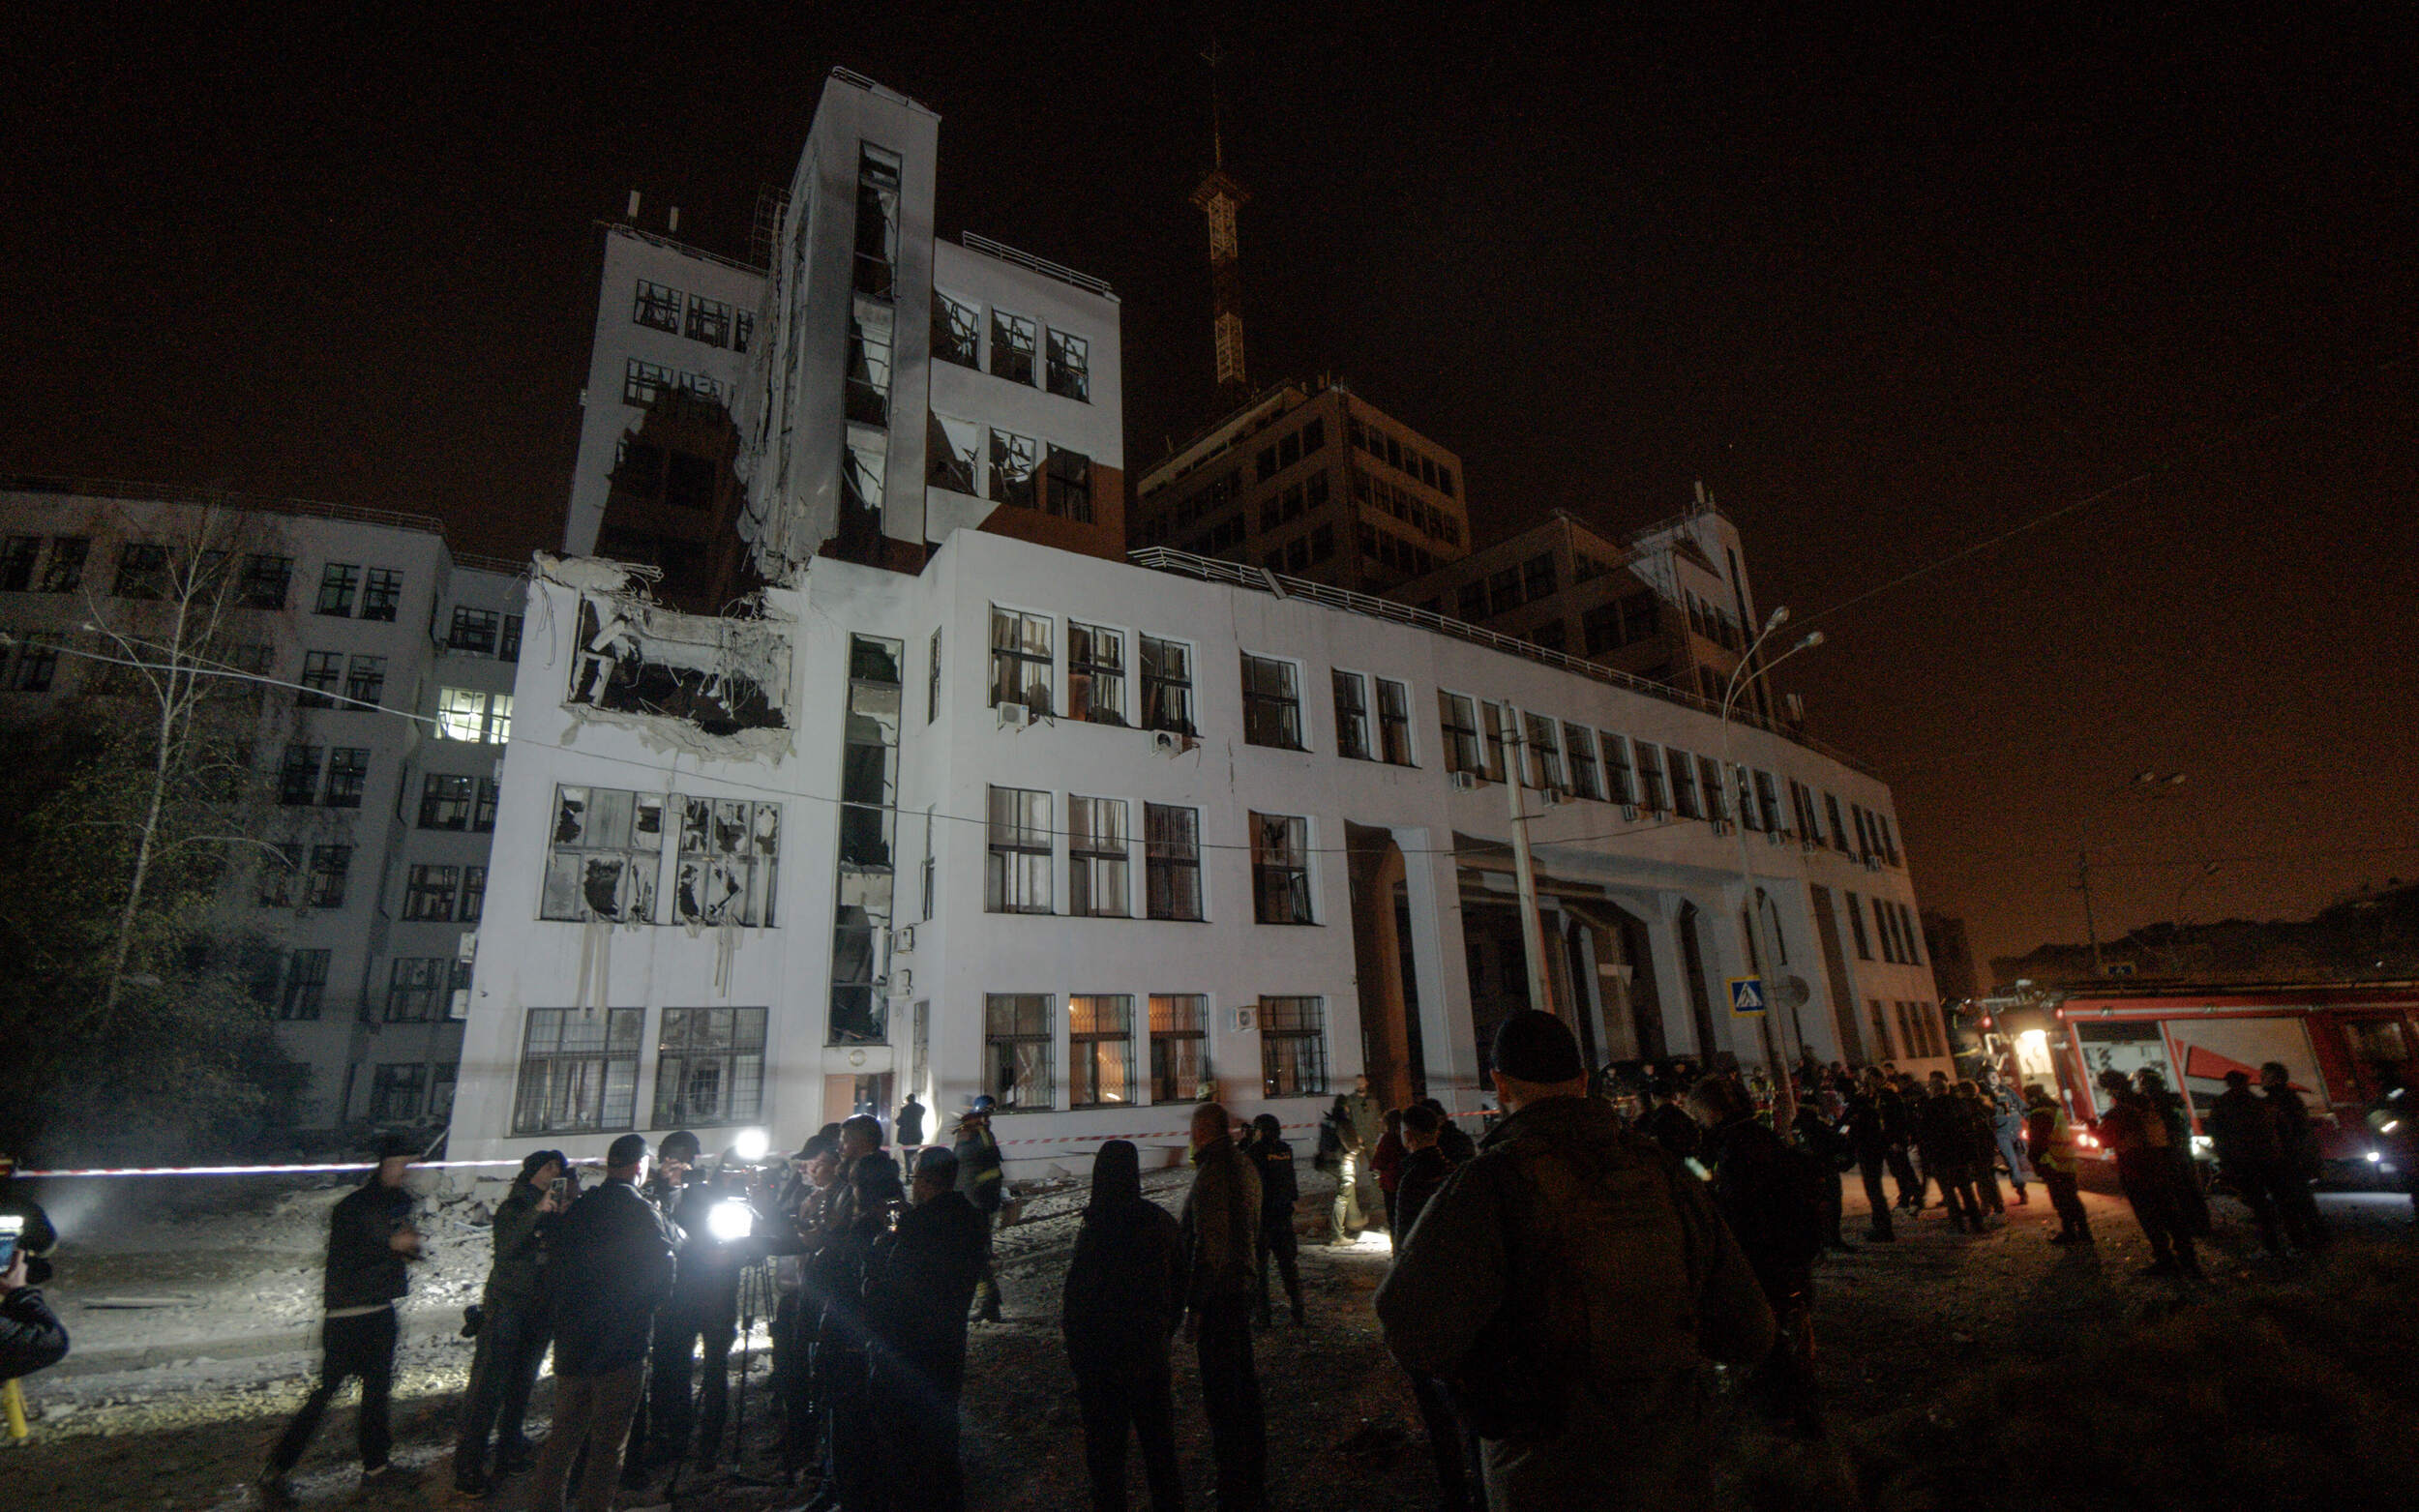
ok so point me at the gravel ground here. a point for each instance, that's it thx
(174, 1406)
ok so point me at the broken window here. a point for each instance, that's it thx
(365, 679)
(727, 847)
(862, 909)
(863, 460)
(1017, 1051)
(1097, 858)
(1280, 869)
(709, 1067)
(877, 219)
(1070, 367)
(1012, 339)
(1167, 686)
(1070, 485)
(428, 893)
(1016, 875)
(264, 581)
(579, 1071)
(605, 856)
(657, 306)
(710, 321)
(475, 715)
(142, 571)
(1020, 659)
(957, 330)
(1013, 459)
(64, 573)
(508, 641)
(474, 631)
(951, 448)
(325, 885)
(348, 773)
(1095, 674)
(1271, 704)
(445, 801)
(643, 383)
(720, 675)
(867, 399)
(339, 585)
(298, 775)
(380, 592)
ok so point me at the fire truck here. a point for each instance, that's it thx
(2331, 1038)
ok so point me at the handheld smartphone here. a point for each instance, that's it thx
(561, 1187)
(12, 1228)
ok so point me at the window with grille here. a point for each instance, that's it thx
(1098, 856)
(325, 887)
(1095, 674)
(957, 330)
(1070, 367)
(394, 1092)
(1580, 751)
(1280, 869)
(606, 855)
(1351, 715)
(709, 1067)
(348, 774)
(1012, 339)
(1100, 1051)
(1017, 1051)
(729, 847)
(365, 679)
(1020, 659)
(298, 775)
(1016, 878)
(579, 1071)
(657, 306)
(1179, 1060)
(1293, 1046)
(1167, 686)
(339, 584)
(321, 672)
(1172, 862)
(420, 988)
(1271, 704)
(473, 631)
(1458, 717)
(381, 592)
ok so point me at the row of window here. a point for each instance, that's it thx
(445, 894)
(1022, 665)
(1012, 469)
(643, 383)
(957, 338)
(1307, 440)
(413, 1092)
(1628, 620)
(292, 986)
(1020, 1050)
(580, 1069)
(347, 769)
(1919, 1036)
(1305, 552)
(451, 801)
(609, 848)
(1387, 549)
(1894, 927)
(1503, 591)
(1020, 855)
(1409, 508)
(660, 307)
(348, 590)
(485, 632)
(1714, 622)
(1402, 458)
(144, 570)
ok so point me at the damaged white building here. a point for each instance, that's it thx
(940, 793)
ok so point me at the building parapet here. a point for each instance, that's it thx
(1167, 560)
(1041, 265)
(172, 493)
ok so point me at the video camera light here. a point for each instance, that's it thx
(731, 1220)
(752, 1144)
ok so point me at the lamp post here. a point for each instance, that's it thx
(1746, 791)
(2150, 785)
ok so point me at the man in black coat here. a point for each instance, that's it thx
(982, 1179)
(2298, 1163)
(1455, 1448)
(513, 1330)
(1945, 1141)
(30, 1336)
(861, 1217)
(1756, 1189)
(2242, 1130)
(1279, 1191)
(370, 1237)
(1668, 1124)
(918, 1286)
(610, 1263)
(1123, 1301)
(1868, 1135)
(702, 1314)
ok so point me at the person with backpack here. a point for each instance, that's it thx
(2133, 1129)
(1567, 1283)
(1773, 1197)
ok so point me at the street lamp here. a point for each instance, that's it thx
(1730, 774)
(2147, 784)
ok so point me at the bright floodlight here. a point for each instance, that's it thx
(751, 1144)
(729, 1220)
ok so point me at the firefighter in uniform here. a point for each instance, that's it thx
(2050, 1144)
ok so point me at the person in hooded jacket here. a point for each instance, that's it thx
(514, 1330)
(1459, 1148)
(370, 1238)
(2134, 1132)
(610, 1263)
(861, 1220)
(1118, 1313)
(920, 1282)
(982, 1177)
(1273, 1158)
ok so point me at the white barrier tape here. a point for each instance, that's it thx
(261, 1171)
(1102, 1139)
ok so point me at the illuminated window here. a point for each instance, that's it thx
(1293, 1046)
(1017, 1045)
(474, 715)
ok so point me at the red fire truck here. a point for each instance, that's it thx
(2331, 1037)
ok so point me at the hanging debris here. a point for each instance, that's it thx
(715, 685)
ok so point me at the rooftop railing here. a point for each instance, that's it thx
(171, 493)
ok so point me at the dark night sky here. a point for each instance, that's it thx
(1890, 288)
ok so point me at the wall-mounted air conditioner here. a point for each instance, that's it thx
(1631, 813)
(1246, 1018)
(1463, 781)
(1166, 742)
(903, 938)
(1014, 716)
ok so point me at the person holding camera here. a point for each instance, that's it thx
(701, 1315)
(370, 1238)
(512, 1327)
(30, 1336)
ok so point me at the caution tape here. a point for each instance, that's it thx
(259, 1170)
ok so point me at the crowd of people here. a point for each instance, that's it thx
(1556, 1290)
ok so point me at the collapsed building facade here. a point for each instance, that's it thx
(938, 790)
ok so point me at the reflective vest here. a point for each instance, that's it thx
(2058, 1154)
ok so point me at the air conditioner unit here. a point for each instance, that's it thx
(902, 982)
(1630, 812)
(1014, 716)
(903, 939)
(1551, 796)
(460, 1005)
(1463, 781)
(1776, 837)
(1246, 1018)
(1166, 742)
(1872, 863)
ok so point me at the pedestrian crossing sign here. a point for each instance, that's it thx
(1747, 996)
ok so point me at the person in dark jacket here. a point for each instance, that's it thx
(609, 1265)
(1755, 1190)
(1459, 1148)
(2050, 1147)
(981, 1178)
(2134, 1131)
(699, 1319)
(1981, 1146)
(1868, 1137)
(1945, 1141)
(1450, 1443)
(370, 1237)
(918, 1286)
(2243, 1132)
(30, 1336)
(1897, 1098)
(861, 1219)
(36, 1234)
(1668, 1124)
(909, 1126)
(1573, 1325)
(512, 1332)
(2193, 1203)
(1123, 1303)
(2299, 1162)
(1221, 1243)
(1818, 1133)
(1279, 1192)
